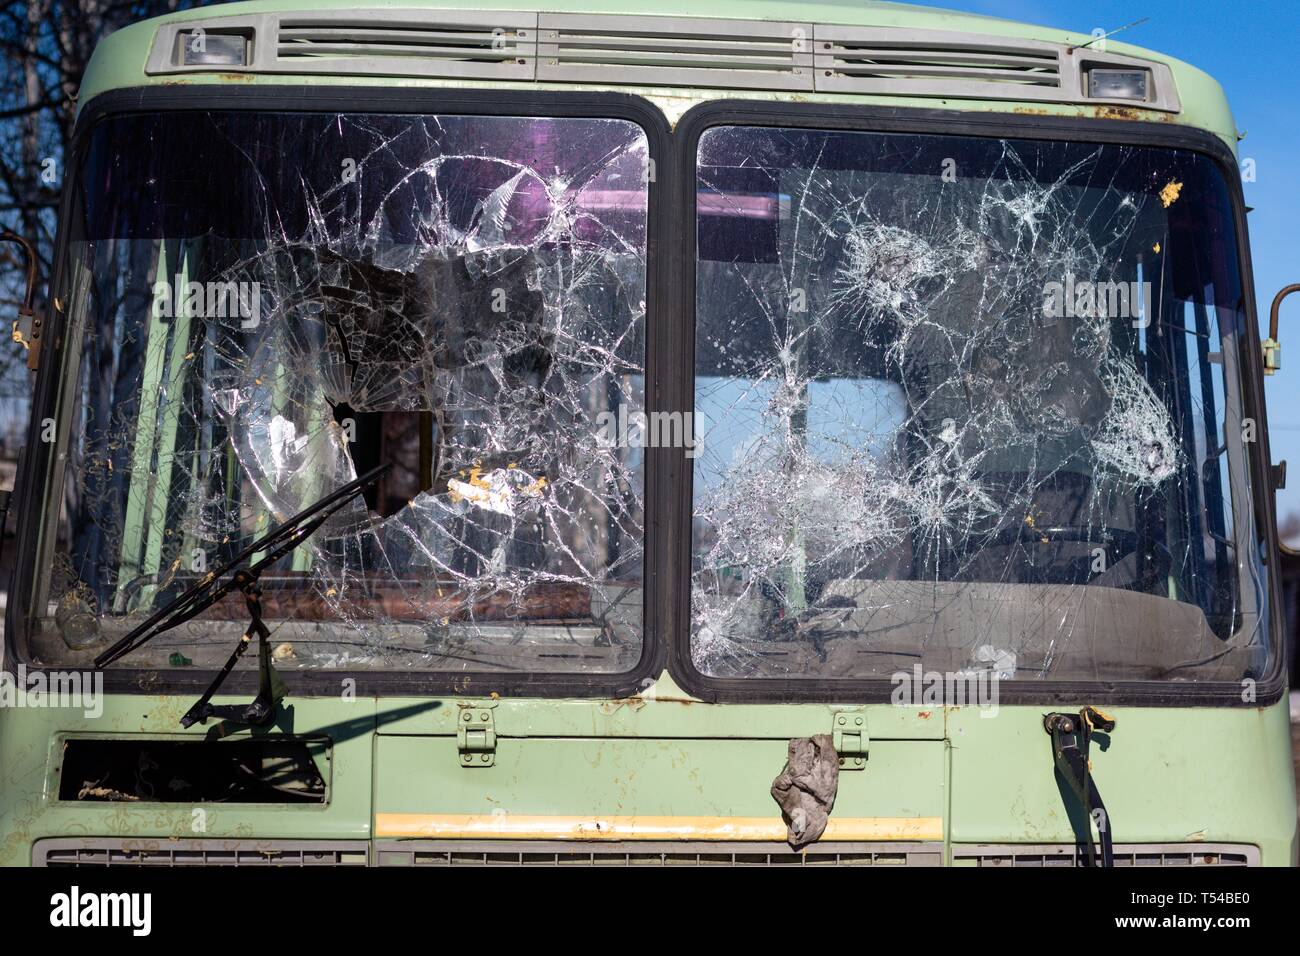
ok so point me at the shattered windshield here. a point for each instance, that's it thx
(971, 405)
(266, 305)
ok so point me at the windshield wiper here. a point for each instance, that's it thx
(1071, 736)
(244, 578)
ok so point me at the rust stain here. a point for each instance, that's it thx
(609, 707)
(1119, 113)
(674, 700)
(1103, 111)
(924, 715)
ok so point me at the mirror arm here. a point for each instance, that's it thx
(27, 311)
(1272, 348)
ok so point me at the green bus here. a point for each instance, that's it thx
(811, 434)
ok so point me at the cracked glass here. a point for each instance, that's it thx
(263, 306)
(969, 404)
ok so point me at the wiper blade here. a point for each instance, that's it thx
(232, 577)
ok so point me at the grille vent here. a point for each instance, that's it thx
(178, 853)
(885, 57)
(480, 47)
(1133, 854)
(445, 853)
(675, 51)
(102, 852)
(613, 50)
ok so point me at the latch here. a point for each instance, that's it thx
(1272, 350)
(849, 738)
(476, 735)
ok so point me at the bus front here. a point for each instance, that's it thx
(574, 429)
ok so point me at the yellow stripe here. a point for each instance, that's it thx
(460, 826)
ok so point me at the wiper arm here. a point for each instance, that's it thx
(233, 577)
(1071, 736)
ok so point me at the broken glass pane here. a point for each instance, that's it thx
(272, 304)
(969, 404)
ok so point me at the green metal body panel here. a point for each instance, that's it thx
(1171, 774)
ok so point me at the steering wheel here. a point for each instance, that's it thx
(1119, 542)
(1122, 541)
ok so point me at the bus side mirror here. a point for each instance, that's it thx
(1272, 348)
(29, 325)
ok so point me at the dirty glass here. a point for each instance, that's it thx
(265, 305)
(972, 405)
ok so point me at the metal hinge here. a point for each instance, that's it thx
(476, 735)
(849, 738)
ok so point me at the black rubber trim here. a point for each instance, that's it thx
(953, 123)
(37, 466)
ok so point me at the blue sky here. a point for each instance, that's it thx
(1252, 48)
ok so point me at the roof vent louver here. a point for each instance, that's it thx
(447, 44)
(674, 51)
(892, 61)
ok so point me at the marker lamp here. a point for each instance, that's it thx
(1117, 84)
(200, 48)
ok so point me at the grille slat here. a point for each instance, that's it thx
(293, 33)
(984, 74)
(360, 49)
